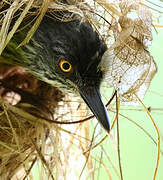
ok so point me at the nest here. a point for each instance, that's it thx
(30, 109)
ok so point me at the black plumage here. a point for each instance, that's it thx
(54, 49)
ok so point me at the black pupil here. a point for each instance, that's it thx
(66, 66)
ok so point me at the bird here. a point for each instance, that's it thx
(65, 55)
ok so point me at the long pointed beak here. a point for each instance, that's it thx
(92, 98)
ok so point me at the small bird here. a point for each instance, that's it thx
(65, 55)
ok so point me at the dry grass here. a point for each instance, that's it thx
(29, 109)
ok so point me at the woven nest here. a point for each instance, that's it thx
(30, 108)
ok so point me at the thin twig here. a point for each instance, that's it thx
(88, 152)
(118, 139)
(158, 134)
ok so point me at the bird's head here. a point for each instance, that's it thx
(66, 55)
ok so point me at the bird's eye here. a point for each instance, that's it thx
(65, 66)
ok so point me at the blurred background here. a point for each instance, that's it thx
(138, 151)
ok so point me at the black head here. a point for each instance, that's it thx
(67, 55)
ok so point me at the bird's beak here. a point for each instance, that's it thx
(92, 98)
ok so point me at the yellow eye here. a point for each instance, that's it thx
(65, 66)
